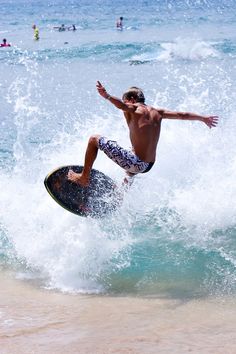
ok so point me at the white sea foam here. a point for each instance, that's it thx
(187, 49)
(180, 49)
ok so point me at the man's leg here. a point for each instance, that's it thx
(90, 156)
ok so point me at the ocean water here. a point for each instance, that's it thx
(175, 234)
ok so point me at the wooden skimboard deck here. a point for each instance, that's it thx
(97, 200)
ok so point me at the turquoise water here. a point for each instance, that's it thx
(174, 235)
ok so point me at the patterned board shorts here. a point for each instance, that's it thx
(124, 158)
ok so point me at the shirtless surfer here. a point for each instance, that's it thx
(144, 123)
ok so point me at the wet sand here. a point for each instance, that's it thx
(35, 320)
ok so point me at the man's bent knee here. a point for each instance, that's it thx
(94, 140)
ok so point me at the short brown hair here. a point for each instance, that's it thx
(135, 93)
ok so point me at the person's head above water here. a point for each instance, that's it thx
(134, 93)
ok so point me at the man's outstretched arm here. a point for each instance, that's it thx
(210, 121)
(114, 100)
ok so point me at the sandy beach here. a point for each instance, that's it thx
(40, 321)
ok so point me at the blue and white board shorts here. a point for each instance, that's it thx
(124, 158)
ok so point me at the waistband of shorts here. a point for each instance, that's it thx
(149, 167)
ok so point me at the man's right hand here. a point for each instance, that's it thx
(101, 90)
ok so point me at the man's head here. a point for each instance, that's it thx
(4, 40)
(134, 94)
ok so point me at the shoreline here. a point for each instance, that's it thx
(37, 321)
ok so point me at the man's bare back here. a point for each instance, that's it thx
(144, 127)
(144, 123)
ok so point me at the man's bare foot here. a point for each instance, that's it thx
(78, 178)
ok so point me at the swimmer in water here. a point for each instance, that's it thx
(4, 43)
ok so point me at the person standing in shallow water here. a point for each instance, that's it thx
(119, 23)
(144, 124)
(36, 32)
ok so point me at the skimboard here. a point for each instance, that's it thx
(97, 200)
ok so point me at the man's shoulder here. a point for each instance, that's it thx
(154, 110)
